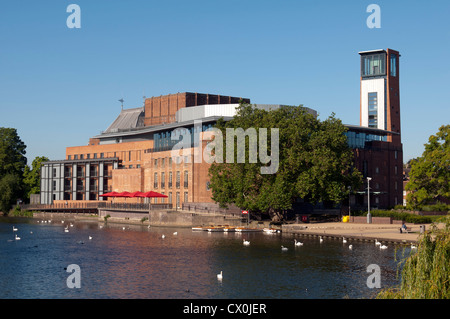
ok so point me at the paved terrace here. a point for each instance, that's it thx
(359, 231)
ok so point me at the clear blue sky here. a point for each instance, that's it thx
(61, 86)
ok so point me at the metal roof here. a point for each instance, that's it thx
(127, 119)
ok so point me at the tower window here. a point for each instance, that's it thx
(373, 65)
(373, 109)
(393, 65)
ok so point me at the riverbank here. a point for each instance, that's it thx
(358, 231)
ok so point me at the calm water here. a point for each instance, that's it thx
(138, 263)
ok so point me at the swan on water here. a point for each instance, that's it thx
(90, 237)
(413, 246)
(163, 236)
(14, 228)
(350, 247)
(377, 243)
(284, 248)
(344, 240)
(220, 276)
(17, 237)
(321, 239)
(246, 242)
(297, 243)
(383, 247)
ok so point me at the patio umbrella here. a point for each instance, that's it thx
(110, 194)
(153, 194)
(136, 194)
(124, 194)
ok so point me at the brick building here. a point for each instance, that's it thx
(135, 152)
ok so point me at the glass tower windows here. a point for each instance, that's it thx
(373, 65)
(373, 109)
(393, 65)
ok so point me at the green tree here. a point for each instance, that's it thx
(426, 273)
(430, 173)
(12, 165)
(12, 152)
(32, 176)
(10, 190)
(314, 162)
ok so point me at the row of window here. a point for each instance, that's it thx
(162, 182)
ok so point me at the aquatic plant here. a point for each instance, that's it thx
(426, 273)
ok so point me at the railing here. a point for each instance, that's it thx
(96, 205)
(135, 206)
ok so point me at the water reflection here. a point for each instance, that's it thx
(138, 263)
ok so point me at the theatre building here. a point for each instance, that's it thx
(135, 152)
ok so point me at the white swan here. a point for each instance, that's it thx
(297, 243)
(14, 228)
(175, 233)
(350, 247)
(283, 248)
(220, 276)
(66, 230)
(246, 242)
(413, 246)
(321, 239)
(377, 243)
(163, 236)
(383, 247)
(90, 237)
(17, 237)
(344, 240)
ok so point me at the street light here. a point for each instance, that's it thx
(349, 194)
(369, 216)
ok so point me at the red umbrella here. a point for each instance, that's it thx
(153, 194)
(137, 194)
(110, 194)
(124, 194)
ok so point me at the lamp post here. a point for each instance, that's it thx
(349, 194)
(369, 216)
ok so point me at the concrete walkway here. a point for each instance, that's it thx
(366, 232)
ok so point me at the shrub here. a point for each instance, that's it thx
(426, 272)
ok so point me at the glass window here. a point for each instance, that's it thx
(373, 107)
(373, 65)
(393, 65)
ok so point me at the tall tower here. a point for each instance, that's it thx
(380, 91)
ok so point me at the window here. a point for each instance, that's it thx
(54, 172)
(185, 197)
(178, 180)
(373, 65)
(155, 181)
(186, 176)
(163, 180)
(170, 180)
(54, 185)
(178, 199)
(373, 109)
(170, 198)
(393, 65)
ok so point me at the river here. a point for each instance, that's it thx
(136, 262)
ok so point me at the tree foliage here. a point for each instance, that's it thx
(315, 162)
(12, 152)
(430, 173)
(426, 273)
(32, 176)
(12, 165)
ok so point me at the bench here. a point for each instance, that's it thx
(407, 230)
